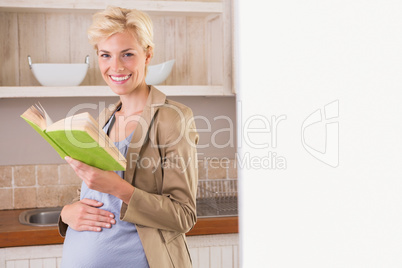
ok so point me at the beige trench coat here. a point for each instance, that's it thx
(162, 165)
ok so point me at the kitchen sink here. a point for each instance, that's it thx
(40, 216)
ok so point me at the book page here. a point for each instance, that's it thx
(33, 115)
(44, 114)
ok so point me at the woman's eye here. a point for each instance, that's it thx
(104, 56)
(128, 55)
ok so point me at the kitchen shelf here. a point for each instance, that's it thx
(152, 7)
(195, 33)
(103, 91)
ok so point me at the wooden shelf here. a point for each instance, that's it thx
(153, 7)
(196, 33)
(103, 91)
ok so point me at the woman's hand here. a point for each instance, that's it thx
(102, 181)
(85, 215)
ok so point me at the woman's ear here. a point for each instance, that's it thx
(149, 55)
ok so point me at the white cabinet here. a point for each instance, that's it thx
(207, 251)
(31, 257)
(197, 34)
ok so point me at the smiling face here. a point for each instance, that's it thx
(122, 62)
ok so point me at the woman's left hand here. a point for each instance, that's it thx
(101, 180)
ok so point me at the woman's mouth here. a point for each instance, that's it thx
(119, 78)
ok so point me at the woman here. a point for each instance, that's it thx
(135, 218)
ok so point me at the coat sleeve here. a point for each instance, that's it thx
(175, 208)
(63, 226)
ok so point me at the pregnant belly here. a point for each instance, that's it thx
(119, 246)
(113, 247)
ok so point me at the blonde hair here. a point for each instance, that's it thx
(118, 20)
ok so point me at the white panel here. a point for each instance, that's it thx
(50, 251)
(299, 206)
(49, 263)
(203, 257)
(36, 263)
(236, 256)
(200, 241)
(21, 264)
(58, 262)
(194, 256)
(2, 257)
(215, 257)
(227, 257)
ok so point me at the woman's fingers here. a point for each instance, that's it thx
(91, 202)
(85, 215)
(82, 170)
(96, 216)
(98, 219)
(95, 225)
(94, 178)
(73, 162)
(95, 213)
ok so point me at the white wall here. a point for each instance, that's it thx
(320, 133)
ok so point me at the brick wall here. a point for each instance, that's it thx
(31, 186)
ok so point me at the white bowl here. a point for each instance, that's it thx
(159, 72)
(59, 74)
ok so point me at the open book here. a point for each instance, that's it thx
(78, 136)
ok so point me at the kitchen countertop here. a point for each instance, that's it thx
(13, 234)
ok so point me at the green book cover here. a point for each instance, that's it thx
(59, 150)
(82, 143)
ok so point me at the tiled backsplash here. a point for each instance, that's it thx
(32, 186)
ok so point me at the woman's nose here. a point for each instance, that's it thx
(117, 65)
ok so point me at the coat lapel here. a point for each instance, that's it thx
(155, 99)
(105, 115)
